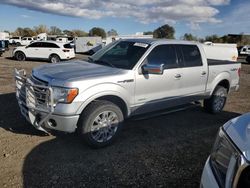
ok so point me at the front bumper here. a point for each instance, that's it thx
(208, 179)
(37, 106)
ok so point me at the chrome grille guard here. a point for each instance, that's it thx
(33, 99)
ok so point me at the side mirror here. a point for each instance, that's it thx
(153, 68)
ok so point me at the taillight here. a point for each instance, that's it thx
(65, 50)
(239, 72)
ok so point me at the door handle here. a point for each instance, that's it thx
(203, 73)
(177, 76)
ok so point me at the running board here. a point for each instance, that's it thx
(166, 111)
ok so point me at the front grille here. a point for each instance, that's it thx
(40, 93)
(33, 93)
(34, 96)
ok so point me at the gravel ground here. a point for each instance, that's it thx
(164, 151)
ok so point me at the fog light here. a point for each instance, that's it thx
(52, 123)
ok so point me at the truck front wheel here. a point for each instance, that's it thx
(100, 123)
(217, 101)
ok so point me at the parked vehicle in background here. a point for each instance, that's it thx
(126, 78)
(42, 36)
(229, 163)
(15, 40)
(244, 50)
(4, 36)
(244, 53)
(25, 41)
(47, 50)
(88, 44)
(62, 39)
(2, 47)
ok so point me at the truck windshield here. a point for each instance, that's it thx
(120, 54)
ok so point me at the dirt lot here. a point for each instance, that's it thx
(164, 151)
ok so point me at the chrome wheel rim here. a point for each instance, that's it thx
(219, 100)
(104, 126)
(54, 60)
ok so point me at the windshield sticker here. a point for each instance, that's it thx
(143, 45)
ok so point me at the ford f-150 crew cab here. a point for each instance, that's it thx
(125, 78)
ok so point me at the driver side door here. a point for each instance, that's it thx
(158, 91)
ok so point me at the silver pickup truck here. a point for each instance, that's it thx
(126, 78)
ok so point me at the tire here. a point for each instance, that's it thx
(54, 58)
(248, 59)
(18, 44)
(95, 128)
(20, 56)
(217, 101)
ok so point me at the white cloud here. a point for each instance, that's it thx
(25, 16)
(235, 21)
(193, 12)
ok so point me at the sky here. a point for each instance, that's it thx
(199, 17)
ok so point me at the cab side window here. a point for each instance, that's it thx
(191, 55)
(163, 54)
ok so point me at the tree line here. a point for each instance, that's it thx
(168, 32)
(53, 30)
(164, 31)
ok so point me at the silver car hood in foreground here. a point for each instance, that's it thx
(238, 129)
(72, 71)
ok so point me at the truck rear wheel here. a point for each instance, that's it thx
(54, 58)
(217, 101)
(100, 123)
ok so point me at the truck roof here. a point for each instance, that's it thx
(160, 41)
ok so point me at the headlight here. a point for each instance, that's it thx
(224, 159)
(64, 95)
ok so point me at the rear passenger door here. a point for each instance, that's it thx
(194, 72)
(48, 48)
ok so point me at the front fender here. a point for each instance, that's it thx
(102, 90)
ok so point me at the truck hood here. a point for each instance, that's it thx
(238, 129)
(72, 71)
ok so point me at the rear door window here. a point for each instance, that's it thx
(191, 55)
(35, 45)
(163, 54)
(67, 45)
(49, 45)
